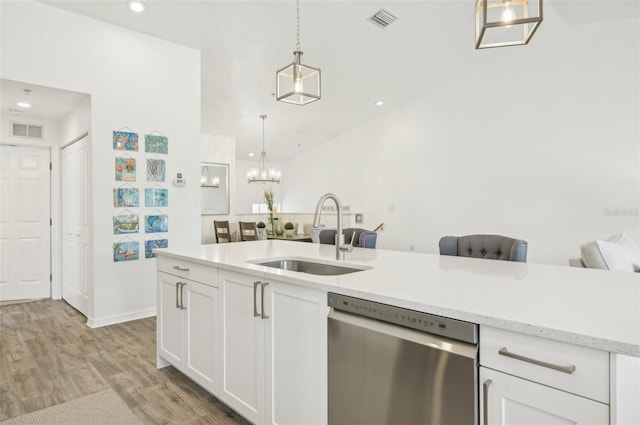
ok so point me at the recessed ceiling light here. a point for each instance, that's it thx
(23, 103)
(137, 6)
(379, 103)
(251, 154)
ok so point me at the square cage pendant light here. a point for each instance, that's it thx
(297, 83)
(501, 23)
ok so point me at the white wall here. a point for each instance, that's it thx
(135, 81)
(542, 146)
(77, 122)
(222, 150)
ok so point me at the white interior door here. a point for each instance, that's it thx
(25, 227)
(75, 224)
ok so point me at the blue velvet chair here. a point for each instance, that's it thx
(491, 247)
(361, 238)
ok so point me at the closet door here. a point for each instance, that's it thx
(75, 224)
(25, 230)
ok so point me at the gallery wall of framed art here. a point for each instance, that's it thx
(139, 194)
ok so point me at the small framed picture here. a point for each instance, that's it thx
(125, 169)
(126, 251)
(125, 141)
(155, 170)
(156, 144)
(156, 197)
(152, 244)
(126, 197)
(156, 223)
(125, 223)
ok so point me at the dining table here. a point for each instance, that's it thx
(298, 237)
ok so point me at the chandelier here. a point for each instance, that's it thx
(263, 173)
(207, 179)
(297, 83)
(501, 23)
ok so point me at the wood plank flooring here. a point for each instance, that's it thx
(48, 356)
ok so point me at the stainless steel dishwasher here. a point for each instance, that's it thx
(390, 365)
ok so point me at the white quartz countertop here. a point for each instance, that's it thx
(594, 308)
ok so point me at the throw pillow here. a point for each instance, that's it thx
(618, 253)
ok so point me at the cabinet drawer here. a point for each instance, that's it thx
(188, 270)
(511, 400)
(589, 377)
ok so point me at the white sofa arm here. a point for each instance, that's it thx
(576, 262)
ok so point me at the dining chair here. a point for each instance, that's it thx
(490, 247)
(248, 231)
(223, 234)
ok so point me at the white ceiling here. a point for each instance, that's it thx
(46, 103)
(243, 43)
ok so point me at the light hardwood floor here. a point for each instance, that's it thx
(48, 356)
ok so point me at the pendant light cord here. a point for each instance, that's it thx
(298, 25)
(264, 117)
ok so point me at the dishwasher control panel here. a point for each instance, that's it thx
(425, 322)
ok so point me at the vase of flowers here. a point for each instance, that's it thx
(277, 227)
(268, 197)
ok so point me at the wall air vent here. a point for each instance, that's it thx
(32, 131)
(382, 18)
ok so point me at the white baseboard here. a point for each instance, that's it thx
(120, 318)
(161, 362)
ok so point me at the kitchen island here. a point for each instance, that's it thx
(596, 310)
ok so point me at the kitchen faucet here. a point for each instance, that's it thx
(341, 247)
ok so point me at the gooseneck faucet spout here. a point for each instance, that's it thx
(316, 221)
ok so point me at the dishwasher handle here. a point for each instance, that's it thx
(452, 346)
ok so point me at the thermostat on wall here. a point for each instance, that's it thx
(179, 181)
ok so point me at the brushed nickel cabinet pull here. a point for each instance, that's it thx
(182, 307)
(255, 303)
(178, 294)
(560, 368)
(264, 284)
(485, 401)
(180, 269)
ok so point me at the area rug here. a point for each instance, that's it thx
(101, 408)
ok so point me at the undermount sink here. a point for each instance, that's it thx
(310, 267)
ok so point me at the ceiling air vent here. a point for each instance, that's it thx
(382, 18)
(32, 131)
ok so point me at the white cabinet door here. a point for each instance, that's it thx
(200, 307)
(170, 320)
(274, 355)
(242, 380)
(296, 355)
(515, 401)
(187, 328)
